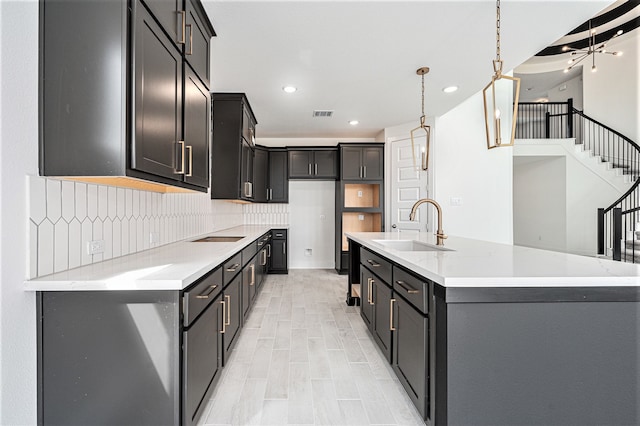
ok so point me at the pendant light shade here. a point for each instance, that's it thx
(500, 99)
(421, 131)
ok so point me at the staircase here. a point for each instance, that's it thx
(618, 222)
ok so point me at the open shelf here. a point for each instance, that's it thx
(362, 195)
(359, 222)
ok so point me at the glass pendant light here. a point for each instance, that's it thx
(422, 129)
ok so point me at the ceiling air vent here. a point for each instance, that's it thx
(322, 113)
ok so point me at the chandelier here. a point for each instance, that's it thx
(579, 55)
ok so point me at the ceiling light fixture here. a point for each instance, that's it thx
(500, 109)
(578, 55)
(290, 89)
(450, 89)
(426, 129)
(354, 122)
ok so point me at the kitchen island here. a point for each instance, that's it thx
(486, 333)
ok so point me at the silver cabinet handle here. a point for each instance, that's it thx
(233, 267)
(253, 274)
(224, 323)
(309, 169)
(228, 306)
(205, 294)
(316, 168)
(373, 263)
(406, 287)
(364, 171)
(391, 302)
(183, 16)
(284, 249)
(190, 51)
(190, 148)
(268, 250)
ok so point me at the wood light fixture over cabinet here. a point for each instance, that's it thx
(500, 111)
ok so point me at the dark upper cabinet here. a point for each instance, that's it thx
(361, 162)
(313, 164)
(127, 112)
(171, 17)
(261, 175)
(278, 188)
(198, 33)
(196, 129)
(232, 154)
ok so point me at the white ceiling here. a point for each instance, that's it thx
(359, 58)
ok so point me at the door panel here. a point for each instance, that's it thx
(372, 161)
(351, 163)
(196, 129)
(233, 298)
(408, 185)
(366, 301)
(381, 317)
(325, 164)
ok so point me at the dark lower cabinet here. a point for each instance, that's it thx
(382, 321)
(366, 304)
(233, 316)
(202, 360)
(411, 353)
(248, 286)
(278, 263)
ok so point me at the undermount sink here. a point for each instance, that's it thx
(410, 245)
(218, 239)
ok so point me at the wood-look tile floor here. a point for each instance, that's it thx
(306, 358)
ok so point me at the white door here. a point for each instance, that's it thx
(408, 185)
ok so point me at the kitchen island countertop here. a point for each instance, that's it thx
(476, 263)
(172, 266)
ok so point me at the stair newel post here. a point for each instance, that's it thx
(601, 231)
(617, 233)
(547, 124)
(570, 117)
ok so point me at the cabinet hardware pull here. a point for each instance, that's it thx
(373, 263)
(181, 171)
(224, 323)
(253, 273)
(316, 168)
(284, 249)
(268, 250)
(228, 306)
(309, 169)
(205, 294)
(190, 51)
(233, 267)
(369, 290)
(391, 302)
(406, 287)
(372, 302)
(190, 148)
(364, 171)
(183, 14)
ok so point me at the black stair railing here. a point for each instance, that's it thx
(617, 235)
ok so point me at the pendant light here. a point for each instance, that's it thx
(423, 128)
(500, 111)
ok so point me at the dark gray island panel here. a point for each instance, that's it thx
(122, 348)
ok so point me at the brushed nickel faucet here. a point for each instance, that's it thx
(440, 235)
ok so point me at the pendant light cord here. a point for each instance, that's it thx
(498, 30)
(422, 117)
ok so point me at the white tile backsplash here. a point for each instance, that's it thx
(266, 214)
(65, 215)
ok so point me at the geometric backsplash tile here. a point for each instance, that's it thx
(64, 216)
(266, 214)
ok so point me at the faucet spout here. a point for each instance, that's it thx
(440, 235)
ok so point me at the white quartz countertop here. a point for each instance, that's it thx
(475, 263)
(170, 267)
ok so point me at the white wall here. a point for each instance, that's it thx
(312, 224)
(540, 202)
(482, 178)
(18, 157)
(571, 89)
(612, 94)
(282, 142)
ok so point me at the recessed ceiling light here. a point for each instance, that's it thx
(450, 89)
(289, 89)
(354, 122)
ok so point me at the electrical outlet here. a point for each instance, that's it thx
(360, 194)
(95, 247)
(455, 201)
(360, 217)
(154, 237)
(322, 217)
(308, 252)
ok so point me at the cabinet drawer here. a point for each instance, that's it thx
(232, 267)
(248, 252)
(279, 234)
(376, 264)
(414, 289)
(201, 294)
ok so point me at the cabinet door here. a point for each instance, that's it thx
(381, 294)
(278, 255)
(196, 48)
(325, 164)
(168, 13)
(366, 303)
(260, 175)
(196, 129)
(372, 163)
(246, 171)
(157, 101)
(248, 287)
(202, 363)
(278, 180)
(411, 353)
(300, 164)
(351, 163)
(233, 316)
